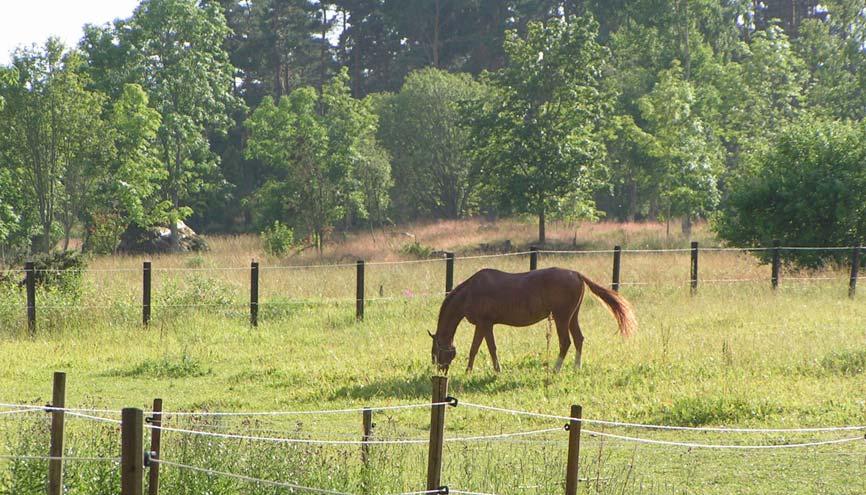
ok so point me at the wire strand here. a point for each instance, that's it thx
(721, 446)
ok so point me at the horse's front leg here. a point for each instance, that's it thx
(476, 343)
(491, 346)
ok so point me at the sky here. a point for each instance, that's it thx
(24, 22)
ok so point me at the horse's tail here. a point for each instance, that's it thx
(617, 305)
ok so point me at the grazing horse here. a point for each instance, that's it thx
(491, 297)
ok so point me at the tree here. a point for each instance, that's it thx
(174, 50)
(53, 136)
(537, 141)
(689, 158)
(807, 189)
(321, 148)
(419, 127)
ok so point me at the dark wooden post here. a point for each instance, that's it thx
(145, 293)
(694, 279)
(359, 291)
(617, 264)
(449, 272)
(777, 263)
(437, 433)
(131, 452)
(855, 270)
(367, 418)
(155, 443)
(533, 258)
(30, 282)
(254, 293)
(55, 464)
(573, 462)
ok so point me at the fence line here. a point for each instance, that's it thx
(603, 422)
(55, 458)
(82, 413)
(278, 484)
(722, 446)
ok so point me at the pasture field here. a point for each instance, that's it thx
(735, 354)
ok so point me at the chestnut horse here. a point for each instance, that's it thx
(491, 297)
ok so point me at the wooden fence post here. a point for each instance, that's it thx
(694, 275)
(155, 445)
(573, 462)
(777, 264)
(55, 464)
(367, 418)
(437, 433)
(449, 272)
(359, 291)
(855, 270)
(254, 293)
(30, 282)
(617, 264)
(533, 258)
(145, 293)
(131, 452)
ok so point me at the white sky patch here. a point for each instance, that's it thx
(25, 22)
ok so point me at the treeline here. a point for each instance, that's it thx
(234, 115)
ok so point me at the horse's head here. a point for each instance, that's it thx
(442, 355)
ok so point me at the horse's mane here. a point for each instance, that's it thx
(461, 287)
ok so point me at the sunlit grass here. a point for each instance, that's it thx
(736, 354)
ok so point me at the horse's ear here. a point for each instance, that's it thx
(430, 334)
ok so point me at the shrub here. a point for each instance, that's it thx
(807, 189)
(417, 250)
(59, 270)
(278, 239)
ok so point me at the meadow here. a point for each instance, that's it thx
(736, 354)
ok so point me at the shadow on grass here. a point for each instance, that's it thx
(418, 386)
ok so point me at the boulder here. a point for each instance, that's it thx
(158, 239)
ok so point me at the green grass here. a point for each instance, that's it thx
(734, 355)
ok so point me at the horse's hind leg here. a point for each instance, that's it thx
(562, 322)
(476, 343)
(577, 337)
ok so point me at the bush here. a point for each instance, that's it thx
(278, 239)
(807, 189)
(59, 270)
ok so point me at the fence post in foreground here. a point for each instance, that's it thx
(131, 452)
(254, 293)
(155, 443)
(30, 282)
(359, 292)
(437, 432)
(55, 464)
(533, 258)
(777, 263)
(617, 264)
(573, 451)
(449, 272)
(855, 270)
(145, 293)
(694, 276)
(367, 418)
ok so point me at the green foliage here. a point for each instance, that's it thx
(808, 189)
(61, 270)
(278, 239)
(537, 140)
(420, 128)
(688, 157)
(416, 250)
(320, 148)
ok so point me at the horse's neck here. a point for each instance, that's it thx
(449, 317)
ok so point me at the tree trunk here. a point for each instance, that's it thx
(687, 226)
(542, 234)
(436, 35)
(631, 205)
